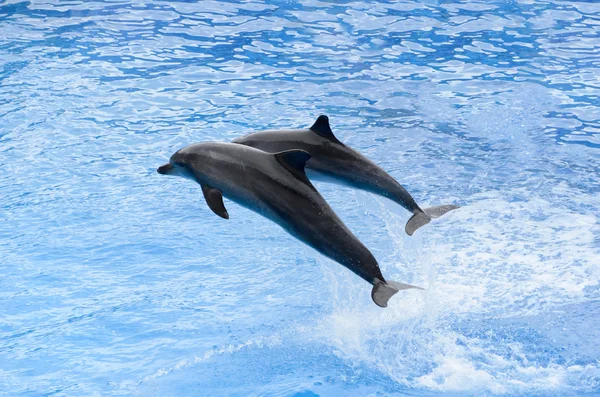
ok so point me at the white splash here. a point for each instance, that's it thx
(494, 259)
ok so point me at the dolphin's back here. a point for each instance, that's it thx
(333, 161)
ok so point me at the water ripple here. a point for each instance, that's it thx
(118, 281)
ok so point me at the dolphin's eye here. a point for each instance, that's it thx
(178, 164)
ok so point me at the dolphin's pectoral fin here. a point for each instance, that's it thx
(384, 290)
(295, 161)
(321, 127)
(214, 199)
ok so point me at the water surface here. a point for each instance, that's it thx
(116, 280)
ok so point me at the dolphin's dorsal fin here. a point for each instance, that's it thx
(294, 160)
(322, 128)
(214, 199)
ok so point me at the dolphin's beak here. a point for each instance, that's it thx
(165, 169)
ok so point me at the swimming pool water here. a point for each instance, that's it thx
(115, 280)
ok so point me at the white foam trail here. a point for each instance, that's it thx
(227, 349)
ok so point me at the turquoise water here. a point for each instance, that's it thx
(115, 280)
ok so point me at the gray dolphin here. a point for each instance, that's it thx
(331, 160)
(276, 187)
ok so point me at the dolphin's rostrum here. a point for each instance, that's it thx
(333, 161)
(276, 187)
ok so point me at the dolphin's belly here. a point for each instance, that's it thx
(309, 219)
(319, 176)
(363, 175)
(316, 224)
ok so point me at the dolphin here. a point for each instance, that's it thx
(333, 161)
(276, 187)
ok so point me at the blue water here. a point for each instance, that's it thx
(115, 280)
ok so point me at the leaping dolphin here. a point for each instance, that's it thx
(331, 160)
(276, 187)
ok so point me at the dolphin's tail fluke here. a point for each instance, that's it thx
(384, 290)
(421, 218)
